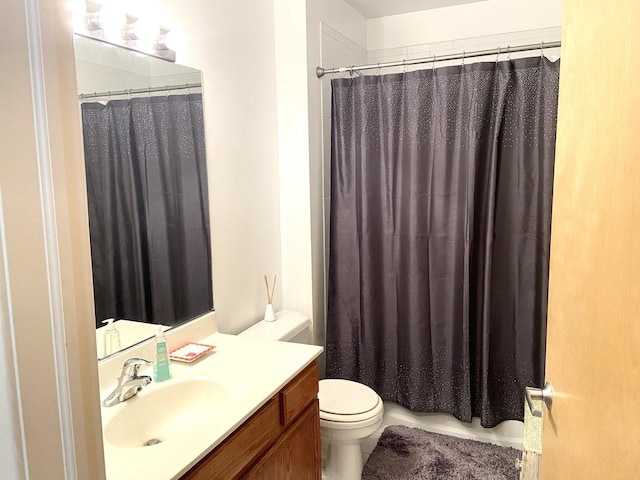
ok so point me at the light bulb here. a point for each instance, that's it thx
(112, 17)
(146, 30)
(176, 40)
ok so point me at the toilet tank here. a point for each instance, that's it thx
(289, 326)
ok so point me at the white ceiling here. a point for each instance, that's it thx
(384, 8)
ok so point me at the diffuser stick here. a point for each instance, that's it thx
(275, 278)
(266, 284)
(269, 314)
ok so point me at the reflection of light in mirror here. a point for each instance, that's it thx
(146, 30)
(176, 40)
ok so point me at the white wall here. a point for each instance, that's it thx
(293, 146)
(232, 42)
(340, 16)
(492, 17)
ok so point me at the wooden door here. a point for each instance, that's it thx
(593, 345)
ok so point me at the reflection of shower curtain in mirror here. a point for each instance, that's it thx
(148, 208)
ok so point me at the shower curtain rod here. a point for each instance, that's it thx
(320, 72)
(139, 90)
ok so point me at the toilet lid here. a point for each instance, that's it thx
(344, 397)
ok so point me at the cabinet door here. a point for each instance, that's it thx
(296, 455)
(242, 448)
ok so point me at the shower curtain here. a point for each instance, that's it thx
(148, 208)
(441, 188)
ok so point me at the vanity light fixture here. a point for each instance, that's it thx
(109, 23)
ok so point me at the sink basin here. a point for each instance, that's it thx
(164, 412)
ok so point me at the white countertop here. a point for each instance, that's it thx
(252, 371)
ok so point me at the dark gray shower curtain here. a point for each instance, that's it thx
(148, 208)
(441, 188)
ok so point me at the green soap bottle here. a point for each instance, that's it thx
(162, 365)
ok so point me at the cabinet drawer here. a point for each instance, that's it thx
(295, 397)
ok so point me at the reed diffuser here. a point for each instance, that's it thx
(269, 314)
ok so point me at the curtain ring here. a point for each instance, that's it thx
(351, 70)
(404, 65)
(541, 47)
(378, 69)
(463, 55)
(498, 56)
(509, 52)
(433, 65)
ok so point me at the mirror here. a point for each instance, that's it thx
(145, 163)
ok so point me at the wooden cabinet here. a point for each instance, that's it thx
(280, 441)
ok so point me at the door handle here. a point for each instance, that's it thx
(545, 394)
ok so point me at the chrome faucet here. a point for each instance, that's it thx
(129, 383)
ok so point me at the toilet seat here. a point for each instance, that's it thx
(344, 401)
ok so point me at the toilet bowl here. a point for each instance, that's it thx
(349, 411)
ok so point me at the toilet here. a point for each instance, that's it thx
(349, 411)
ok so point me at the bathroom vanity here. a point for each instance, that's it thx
(248, 409)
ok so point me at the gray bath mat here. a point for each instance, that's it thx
(405, 453)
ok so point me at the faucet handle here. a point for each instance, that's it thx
(135, 364)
